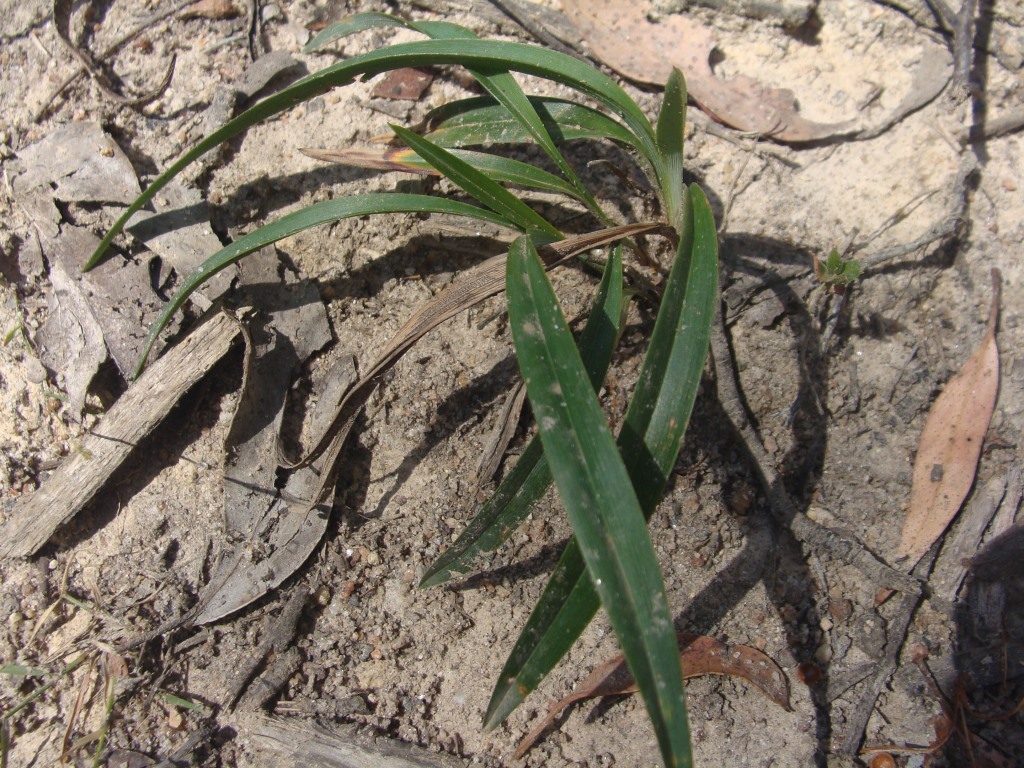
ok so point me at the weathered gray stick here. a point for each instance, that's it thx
(102, 451)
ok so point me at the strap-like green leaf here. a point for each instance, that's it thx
(475, 183)
(498, 82)
(360, 22)
(650, 439)
(349, 26)
(515, 496)
(503, 87)
(496, 167)
(596, 491)
(481, 120)
(473, 54)
(318, 213)
(671, 134)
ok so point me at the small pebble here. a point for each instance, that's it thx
(271, 11)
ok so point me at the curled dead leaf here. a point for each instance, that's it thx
(950, 444)
(698, 655)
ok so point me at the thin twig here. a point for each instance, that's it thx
(113, 48)
(895, 218)
(946, 226)
(731, 194)
(896, 636)
(963, 49)
(494, 451)
(180, 756)
(945, 15)
(254, 30)
(277, 635)
(1007, 123)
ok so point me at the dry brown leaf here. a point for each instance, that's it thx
(950, 444)
(78, 162)
(71, 341)
(257, 517)
(623, 37)
(406, 83)
(289, 530)
(389, 159)
(119, 293)
(698, 655)
(212, 9)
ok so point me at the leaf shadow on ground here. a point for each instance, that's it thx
(766, 543)
(458, 408)
(419, 253)
(990, 648)
(253, 201)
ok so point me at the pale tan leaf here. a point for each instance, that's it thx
(950, 444)
(624, 38)
(698, 655)
(390, 159)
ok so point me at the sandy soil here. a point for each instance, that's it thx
(841, 424)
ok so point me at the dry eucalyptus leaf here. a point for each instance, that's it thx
(289, 527)
(280, 340)
(624, 38)
(698, 655)
(120, 294)
(950, 444)
(261, 72)
(179, 232)
(255, 517)
(83, 473)
(80, 163)
(71, 340)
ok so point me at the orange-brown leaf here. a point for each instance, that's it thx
(212, 9)
(406, 83)
(950, 445)
(698, 655)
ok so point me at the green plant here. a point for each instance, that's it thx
(835, 273)
(609, 485)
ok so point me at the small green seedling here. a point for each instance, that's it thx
(836, 273)
(610, 484)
